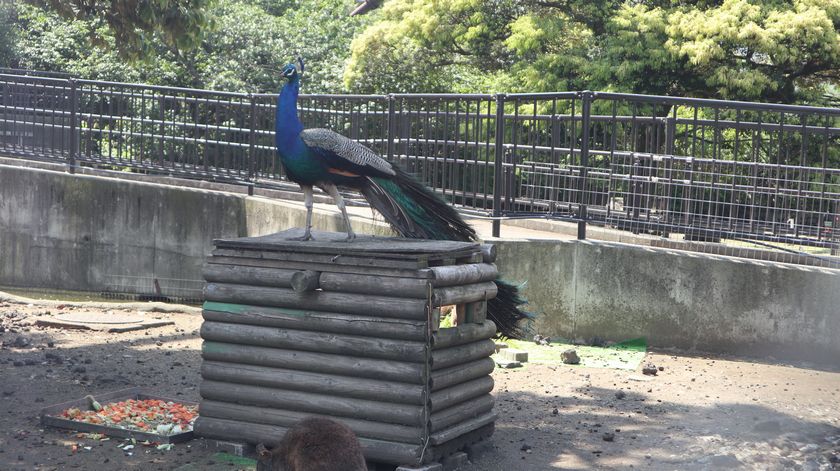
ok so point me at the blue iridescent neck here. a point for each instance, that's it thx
(287, 125)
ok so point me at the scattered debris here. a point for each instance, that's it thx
(541, 340)
(502, 363)
(570, 357)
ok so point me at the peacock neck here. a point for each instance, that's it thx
(287, 124)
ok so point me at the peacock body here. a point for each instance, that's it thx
(325, 159)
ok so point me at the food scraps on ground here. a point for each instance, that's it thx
(143, 415)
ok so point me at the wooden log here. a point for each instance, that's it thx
(305, 280)
(459, 393)
(465, 333)
(364, 304)
(257, 276)
(465, 293)
(319, 321)
(460, 413)
(249, 432)
(488, 253)
(401, 414)
(457, 275)
(375, 284)
(286, 418)
(322, 342)
(322, 267)
(446, 357)
(347, 386)
(326, 259)
(462, 428)
(314, 362)
(476, 312)
(337, 243)
(457, 374)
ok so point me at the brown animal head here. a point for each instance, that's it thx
(316, 444)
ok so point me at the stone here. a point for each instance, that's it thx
(650, 369)
(570, 357)
(425, 467)
(620, 394)
(21, 342)
(725, 462)
(508, 364)
(454, 461)
(512, 354)
(608, 436)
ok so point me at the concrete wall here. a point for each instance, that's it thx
(615, 291)
(91, 233)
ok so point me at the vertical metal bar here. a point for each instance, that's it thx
(391, 127)
(74, 110)
(586, 115)
(497, 164)
(252, 143)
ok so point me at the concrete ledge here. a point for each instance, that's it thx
(94, 233)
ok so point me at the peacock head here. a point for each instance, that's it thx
(291, 72)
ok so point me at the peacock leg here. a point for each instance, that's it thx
(339, 201)
(307, 201)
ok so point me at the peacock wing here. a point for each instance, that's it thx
(345, 148)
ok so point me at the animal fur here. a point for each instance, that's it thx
(318, 444)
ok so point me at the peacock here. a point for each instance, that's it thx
(327, 160)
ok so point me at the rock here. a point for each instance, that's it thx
(725, 462)
(526, 447)
(30, 362)
(661, 368)
(508, 364)
(650, 369)
(597, 342)
(620, 394)
(54, 358)
(21, 342)
(570, 357)
(17, 363)
(51, 344)
(512, 354)
(79, 369)
(608, 436)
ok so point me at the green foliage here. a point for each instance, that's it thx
(136, 25)
(782, 51)
(244, 50)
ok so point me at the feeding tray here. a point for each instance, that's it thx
(52, 416)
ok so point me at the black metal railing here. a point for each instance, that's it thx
(709, 169)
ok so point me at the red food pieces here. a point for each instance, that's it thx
(137, 414)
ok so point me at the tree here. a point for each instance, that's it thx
(135, 24)
(783, 51)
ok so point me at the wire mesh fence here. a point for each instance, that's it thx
(677, 168)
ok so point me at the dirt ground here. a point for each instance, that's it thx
(699, 412)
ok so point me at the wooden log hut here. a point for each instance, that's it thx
(350, 331)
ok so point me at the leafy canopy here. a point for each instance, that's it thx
(781, 50)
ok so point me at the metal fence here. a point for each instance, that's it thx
(709, 169)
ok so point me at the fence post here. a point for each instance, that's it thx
(497, 164)
(586, 114)
(392, 125)
(252, 144)
(74, 128)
